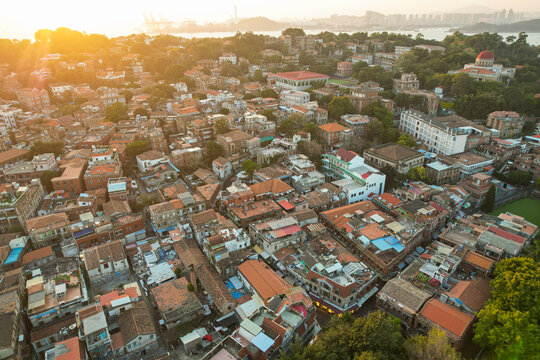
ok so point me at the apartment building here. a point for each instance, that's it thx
(18, 204)
(447, 135)
(509, 123)
(345, 164)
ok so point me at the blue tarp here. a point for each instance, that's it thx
(381, 244)
(398, 247)
(262, 341)
(83, 232)
(236, 294)
(13, 255)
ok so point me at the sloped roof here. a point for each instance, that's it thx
(274, 186)
(447, 317)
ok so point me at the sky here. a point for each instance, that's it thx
(21, 18)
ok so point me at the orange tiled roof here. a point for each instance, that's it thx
(479, 260)
(447, 317)
(264, 280)
(332, 127)
(274, 186)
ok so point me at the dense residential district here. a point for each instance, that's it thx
(243, 198)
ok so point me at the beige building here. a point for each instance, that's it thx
(399, 157)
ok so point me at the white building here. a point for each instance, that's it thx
(299, 80)
(150, 159)
(438, 137)
(180, 86)
(44, 162)
(293, 98)
(349, 165)
(9, 116)
(228, 57)
(59, 90)
(222, 168)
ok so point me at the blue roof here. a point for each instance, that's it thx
(388, 242)
(262, 341)
(398, 247)
(381, 244)
(13, 255)
(236, 295)
(83, 232)
(117, 187)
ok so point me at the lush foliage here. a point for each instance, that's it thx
(340, 106)
(376, 336)
(250, 166)
(137, 147)
(116, 112)
(46, 178)
(213, 150)
(221, 126)
(509, 324)
(489, 201)
(40, 147)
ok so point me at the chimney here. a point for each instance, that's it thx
(193, 279)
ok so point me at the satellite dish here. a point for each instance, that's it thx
(72, 326)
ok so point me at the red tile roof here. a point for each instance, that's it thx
(266, 282)
(346, 155)
(447, 317)
(332, 127)
(507, 235)
(301, 75)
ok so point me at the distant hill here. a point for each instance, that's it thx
(530, 26)
(259, 23)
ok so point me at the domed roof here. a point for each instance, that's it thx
(486, 54)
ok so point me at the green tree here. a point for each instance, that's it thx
(40, 147)
(137, 147)
(433, 346)
(293, 32)
(269, 115)
(128, 95)
(224, 111)
(250, 167)
(12, 138)
(509, 323)
(221, 126)
(519, 177)
(406, 140)
(46, 178)
(213, 150)
(381, 112)
(178, 272)
(269, 93)
(340, 106)
(116, 112)
(419, 173)
(489, 201)
(462, 84)
(392, 178)
(142, 112)
(190, 287)
(311, 127)
(249, 96)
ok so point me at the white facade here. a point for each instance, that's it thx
(9, 117)
(227, 57)
(438, 139)
(44, 162)
(351, 168)
(59, 90)
(145, 164)
(222, 170)
(293, 98)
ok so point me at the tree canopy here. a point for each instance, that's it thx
(221, 126)
(509, 323)
(137, 147)
(340, 106)
(116, 112)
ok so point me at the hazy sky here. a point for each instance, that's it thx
(21, 18)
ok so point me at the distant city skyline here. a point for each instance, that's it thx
(21, 19)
